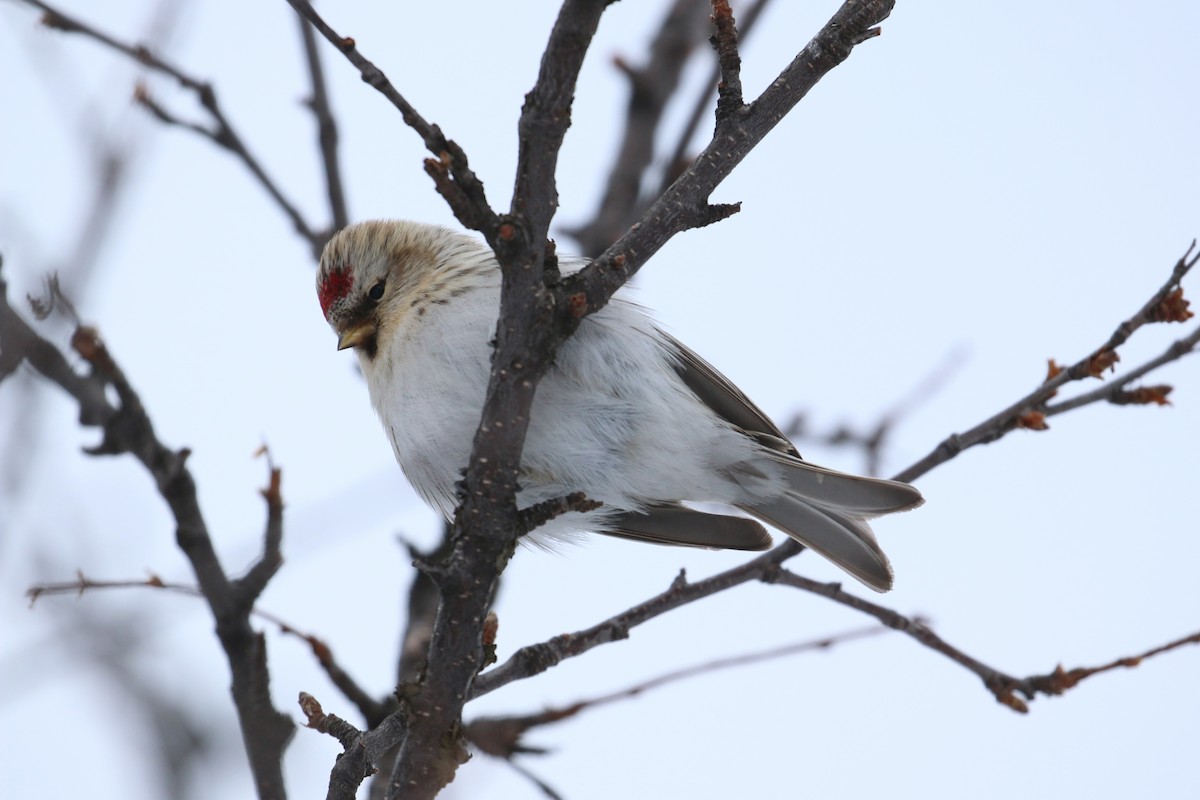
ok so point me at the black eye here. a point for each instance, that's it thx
(376, 292)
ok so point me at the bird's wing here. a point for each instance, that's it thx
(855, 495)
(729, 402)
(674, 524)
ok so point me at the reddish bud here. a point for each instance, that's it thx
(577, 304)
(506, 232)
(1143, 396)
(1102, 360)
(1032, 421)
(1172, 308)
(491, 626)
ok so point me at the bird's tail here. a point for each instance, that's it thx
(828, 511)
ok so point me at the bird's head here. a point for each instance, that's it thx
(372, 272)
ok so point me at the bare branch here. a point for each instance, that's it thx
(127, 429)
(1004, 687)
(318, 720)
(538, 515)
(1116, 392)
(684, 204)
(248, 588)
(502, 736)
(462, 190)
(729, 62)
(650, 87)
(1165, 305)
(1061, 680)
(372, 710)
(20, 344)
(1000, 684)
(223, 134)
(678, 158)
(538, 658)
(327, 132)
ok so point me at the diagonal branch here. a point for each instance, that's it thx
(452, 175)
(651, 86)
(535, 659)
(1004, 687)
(1115, 391)
(684, 205)
(127, 429)
(501, 737)
(1165, 305)
(222, 133)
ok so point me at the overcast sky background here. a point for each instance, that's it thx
(990, 183)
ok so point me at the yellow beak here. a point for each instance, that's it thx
(356, 334)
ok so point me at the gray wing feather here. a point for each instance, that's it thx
(843, 539)
(854, 494)
(728, 401)
(679, 525)
(823, 509)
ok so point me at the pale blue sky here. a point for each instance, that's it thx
(1005, 181)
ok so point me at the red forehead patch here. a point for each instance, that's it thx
(336, 285)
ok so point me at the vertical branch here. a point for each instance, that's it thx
(127, 429)
(650, 87)
(488, 523)
(327, 132)
(738, 131)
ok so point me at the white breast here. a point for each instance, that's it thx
(603, 421)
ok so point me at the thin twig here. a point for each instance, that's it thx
(372, 710)
(455, 181)
(651, 86)
(729, 62)
(999, 683)
(223, 134)
(538, 658)
(327, 132)
(127, 429)
(1165, 305)
(1004, 687)
(248, 588)
(1110, 392)
(501, 736)
(747, 22)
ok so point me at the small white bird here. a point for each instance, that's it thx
(626, 414)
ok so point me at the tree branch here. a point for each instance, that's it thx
(455, 181)
(327, 132)
(535, 316)
(535, 659)
(127, 429)
(1165, 305)
(222, 134)
(684, 204)
(1004, 687)
(650, 87)
(501, 737)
